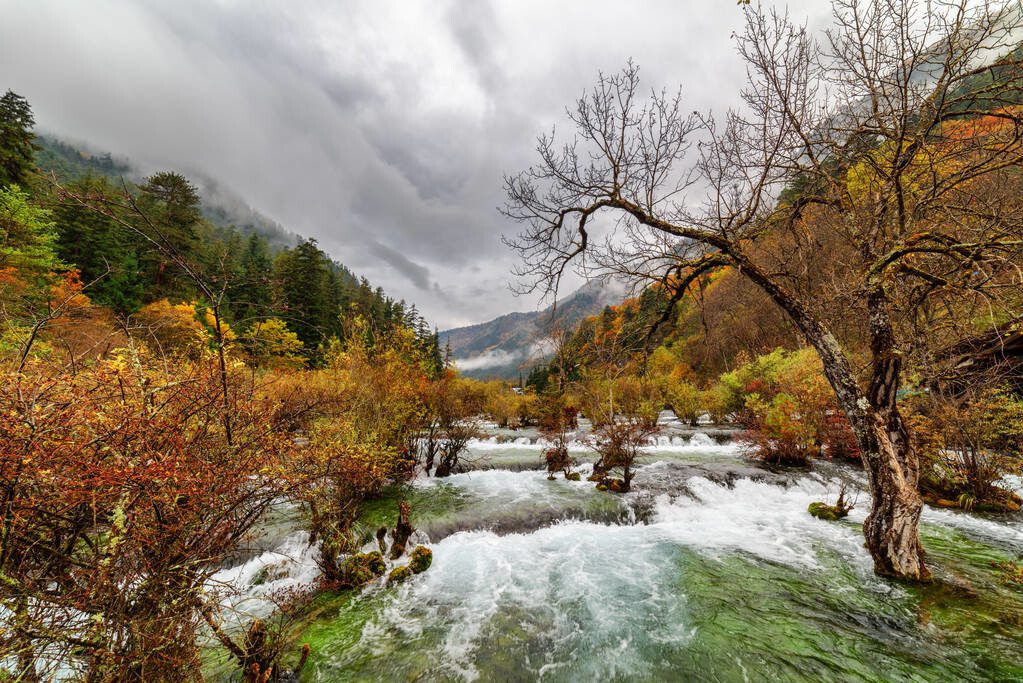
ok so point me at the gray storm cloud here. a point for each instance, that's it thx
(380, 128)
(417, 274)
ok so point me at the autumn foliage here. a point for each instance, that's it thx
(121, 499)
(788, 409)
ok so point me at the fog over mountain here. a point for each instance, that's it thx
(504, 346)
(381, 129)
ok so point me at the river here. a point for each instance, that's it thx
(710, 569)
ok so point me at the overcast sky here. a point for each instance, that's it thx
(380, 128)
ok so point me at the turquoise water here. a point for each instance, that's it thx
(711, 576)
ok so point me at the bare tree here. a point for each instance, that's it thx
(870, 133)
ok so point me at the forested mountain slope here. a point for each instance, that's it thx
(70, 162)
(275, 274)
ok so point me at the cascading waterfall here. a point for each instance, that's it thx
(717, 572)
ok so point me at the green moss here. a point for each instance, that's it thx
(261, 576)
(359, 570)
(573, 476)
(825, 512)
(422, 558)
(398, 574)
(375, 562)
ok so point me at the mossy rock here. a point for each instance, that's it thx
(996, 506)
(375, 562)
(1004, 501)
(269, 572)
(618, 486)
(360, 569)
(422, 558)
(551, 477)
(573, 476)
(398, 574)
(939, 501)
(596, 476)
(260, 578)
(827, 512)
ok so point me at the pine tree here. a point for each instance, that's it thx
(17, 150)
(100, 249)
(253, 295)
(171, 205)
(302, 274)
(433, 344)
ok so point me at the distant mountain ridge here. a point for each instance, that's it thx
(509, 343)
(220, 206)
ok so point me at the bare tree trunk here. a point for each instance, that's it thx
(402, 530)
(891, 529)
(888, 455)
(223, 372)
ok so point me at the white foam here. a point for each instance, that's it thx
(697, 443)
(522, 443)
(1011, 482)
(575, 585)
(764, 520)
(581, 585)
(292, 565)
(1004, 530)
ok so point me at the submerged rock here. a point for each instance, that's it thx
(261, 576)
(398, 574)
(272, 572)
(422, 558)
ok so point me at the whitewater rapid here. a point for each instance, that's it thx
(554, 580)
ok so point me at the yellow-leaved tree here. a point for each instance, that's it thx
(271, 344)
